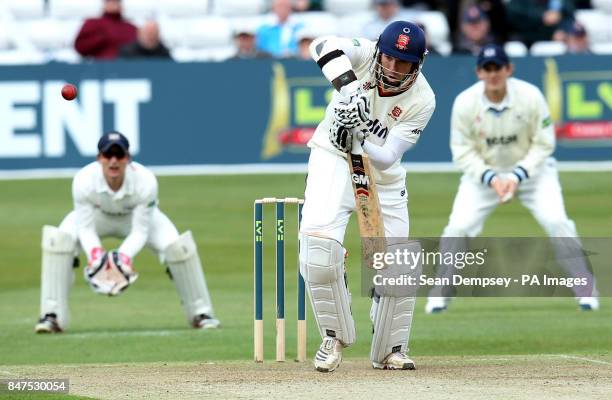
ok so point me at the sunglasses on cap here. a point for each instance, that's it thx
(114, 151)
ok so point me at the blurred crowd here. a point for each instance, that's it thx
(195, 30)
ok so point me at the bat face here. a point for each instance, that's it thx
(369, 216)
(361, 184)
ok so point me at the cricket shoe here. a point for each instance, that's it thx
(329, 356)
(204, 321)
(396, 360)
(48, 324)
(436, 304)
(588, 303)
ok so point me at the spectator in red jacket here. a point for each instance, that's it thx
(102, 37)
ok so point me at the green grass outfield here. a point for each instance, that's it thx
(146, 323)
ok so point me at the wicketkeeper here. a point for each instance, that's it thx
(117, 197)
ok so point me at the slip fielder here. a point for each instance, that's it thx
(115, 196)
(384, 100)
(502, 138)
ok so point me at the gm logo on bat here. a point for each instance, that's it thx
(361, 179)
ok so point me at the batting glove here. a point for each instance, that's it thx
(341, 137)
(354, 112)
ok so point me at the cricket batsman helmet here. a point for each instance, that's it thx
(405, 41)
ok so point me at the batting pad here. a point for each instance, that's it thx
(322, 266)
(186, 270)
(393, 307)
(57, 276)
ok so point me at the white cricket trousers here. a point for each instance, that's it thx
(162, 232)
(329, 199)
(540, 194)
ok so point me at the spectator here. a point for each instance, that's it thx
(536, 20)
(575, 38)
(431, 51)
(495, 10)
(421, 4)
(307, 5)
(305, 36)
(147, 45)
(387, 11)
(244, 38)
(279, 38)
(102, 37)
(475, 32)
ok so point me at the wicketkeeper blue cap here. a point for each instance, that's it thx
(110, 139)
(494, 54)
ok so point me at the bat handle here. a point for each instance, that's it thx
(356, 148)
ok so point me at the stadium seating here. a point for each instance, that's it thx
(36, 31)
(350, 24)
(597, 23)
(326, 22)
(601, 48)
(183, 8)
(140, 10)
(6, 41)
(346, 7)
(516, 49)
(74, 9)
(603, 5)
(437, 30)
(547, 49)
(24, 9)
(229, 8)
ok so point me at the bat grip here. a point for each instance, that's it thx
(356, 147)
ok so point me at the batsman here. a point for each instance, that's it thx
(381, 104)
(117, 197)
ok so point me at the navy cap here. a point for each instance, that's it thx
(110, 139)
(403, 40)
(492, 53)
(575, 28)
(474, 14)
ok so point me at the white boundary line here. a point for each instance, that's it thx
(271, 168)
(567, 356)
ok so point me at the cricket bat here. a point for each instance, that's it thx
(369, 216)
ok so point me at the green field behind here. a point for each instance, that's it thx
(146, 323)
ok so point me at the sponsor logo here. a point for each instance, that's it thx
(368, 85)
(377, 129)
(403, 193)
(360, 179)
(502, 140)
(70, 128)
(417, 131)
(402, 42)
(356, 43)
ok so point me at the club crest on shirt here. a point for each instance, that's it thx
(402, 41)
(395, 113)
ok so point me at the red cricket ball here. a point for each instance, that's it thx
(69, 92)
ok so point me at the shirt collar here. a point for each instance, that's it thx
(507, 102)
(126, 189)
